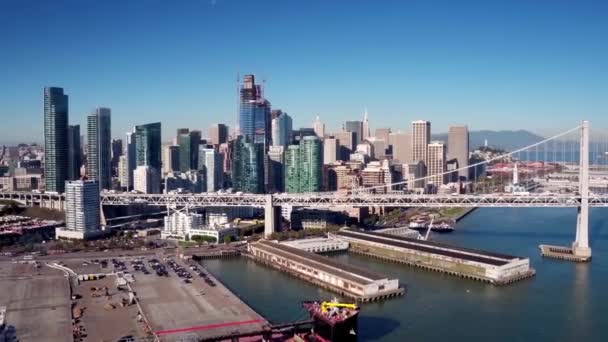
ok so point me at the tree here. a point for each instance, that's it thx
(227, 239)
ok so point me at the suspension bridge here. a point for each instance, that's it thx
(572, 149)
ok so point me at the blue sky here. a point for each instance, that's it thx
(538, 65)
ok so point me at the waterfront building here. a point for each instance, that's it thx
(254, 112)
(355, 127)
(182, 225)
(248, 166)
(82, 210)
(146, 180)
(401, 146)
(330, 150)
(170, 159)
(99, 147)
(282, 127)
(74, 152)
(55, 139)
(458, 148)
(276, 164)
(218, 134)
(436, 163)
(319, 127)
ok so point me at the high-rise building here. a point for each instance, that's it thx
(365, 130)
(130, 163)
(170, 158)
(192, 181)
(188, 150)
(225, 150)
(384, 134)
(123, 172)
(55, 139)
(411, 172)
(357, 128)
(330, 150)
(421, 137)
(82, 213)
(282, 127)
(435, 164)
(347, 143)
(319, 127)
(148, 145)
(377, 175)
(212, 163)
(247, 166)
(458, 148)
(276, 164)
(254, 112)
(99, 147)
(218, 134)
(303, 166)
(146, 179)
(379, 147)
(292, 169)
(74, 156)
(402, 146)
(116, 153)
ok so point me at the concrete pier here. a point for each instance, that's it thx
(349, 281)
(468, 263)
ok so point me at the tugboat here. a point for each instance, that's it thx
(332, 321)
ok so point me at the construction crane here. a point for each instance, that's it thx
(428, 230)
(325, 306)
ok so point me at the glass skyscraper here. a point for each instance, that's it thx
(282, 126)
(303, 166)
(247, 166)
(254, 112)
(55, 139)
(74, 157)
(189, 143)
(148, 145)
(99, 147)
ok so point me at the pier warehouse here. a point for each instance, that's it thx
(469, 263)
(345, 279)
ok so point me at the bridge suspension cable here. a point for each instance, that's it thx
(484, 162)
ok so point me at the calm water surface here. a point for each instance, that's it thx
(563, 302)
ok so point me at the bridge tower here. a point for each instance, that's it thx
(580, 247)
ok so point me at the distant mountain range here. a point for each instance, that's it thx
(506, 140)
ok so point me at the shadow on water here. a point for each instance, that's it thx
(595, 232)
(381, 326)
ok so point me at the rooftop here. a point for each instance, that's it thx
(325, 264)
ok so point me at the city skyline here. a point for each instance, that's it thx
(556, 73)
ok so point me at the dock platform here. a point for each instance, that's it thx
(495, 268)
(562, 253)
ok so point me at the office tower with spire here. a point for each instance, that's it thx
(74, 153)
(319, 127)
(458, 148)
(282, 126)
(55, 139)
(365, 127)
(99, 147)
